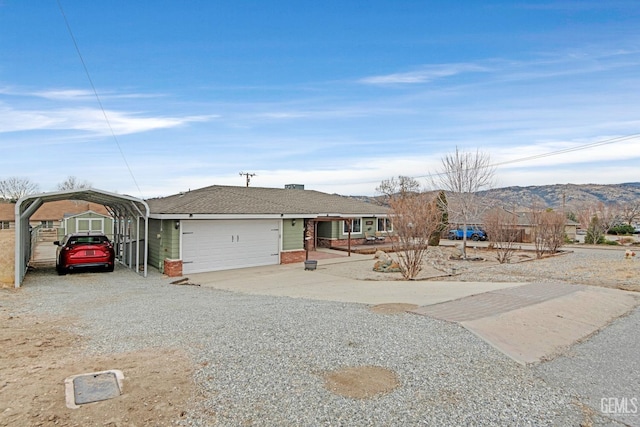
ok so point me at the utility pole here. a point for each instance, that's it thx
(247, 176)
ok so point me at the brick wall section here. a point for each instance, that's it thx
(7, 258)
(345, 242)
(290, 257)
(173, 267)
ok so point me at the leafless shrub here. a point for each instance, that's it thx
(502, 229)
(415, 218)
(547, 230)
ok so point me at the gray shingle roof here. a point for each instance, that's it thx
(219, 199)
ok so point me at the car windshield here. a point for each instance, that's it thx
(91, 240)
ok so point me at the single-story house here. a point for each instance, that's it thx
(224, 227)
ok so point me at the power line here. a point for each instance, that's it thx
(552, 153)
(572, 149)
(95, 92)
(538, 156)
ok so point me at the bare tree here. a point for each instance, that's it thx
(608, 215)
(398, 187)
(415, 216)
(72, 183)
(13, 188)
(583, 212)
(503, 232)
(462, 176)
(630, 211)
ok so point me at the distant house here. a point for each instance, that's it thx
(55, 215)
(7, 216)
(523, 220)
(223, 227)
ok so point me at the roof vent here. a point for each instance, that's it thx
(294, 186)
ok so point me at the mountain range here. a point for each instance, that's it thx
(556, 195)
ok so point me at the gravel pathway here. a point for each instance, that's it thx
(260, 359)
(604, 371)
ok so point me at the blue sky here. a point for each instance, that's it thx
(336, 95)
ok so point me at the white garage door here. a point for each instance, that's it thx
(210, 245)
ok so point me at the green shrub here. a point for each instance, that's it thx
(619, 230)
(611, 242)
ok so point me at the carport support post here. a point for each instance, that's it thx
(138, 245)
(23, 238)
(146, 245)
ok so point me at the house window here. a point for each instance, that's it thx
(356, 226)
(384, 224)
(4, 225)
(46, 224)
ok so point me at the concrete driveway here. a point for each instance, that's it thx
(294, 281)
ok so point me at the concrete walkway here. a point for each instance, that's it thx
(527, 322)
(44, 255)
(536, 321)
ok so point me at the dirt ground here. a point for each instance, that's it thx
(612, 271)
(38, 354)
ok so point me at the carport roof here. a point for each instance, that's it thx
(119, 202)
(219, 199)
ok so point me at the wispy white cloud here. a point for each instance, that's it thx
(66, 94)
(544, 65)
(89, 120)
(83, 95)
(426, 74)
(331, 112)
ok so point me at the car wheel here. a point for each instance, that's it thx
(109, 268)
(451, 236)
(475, 237)
(61, 271)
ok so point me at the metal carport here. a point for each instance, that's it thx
(127, 212)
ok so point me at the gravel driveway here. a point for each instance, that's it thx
(260, 360)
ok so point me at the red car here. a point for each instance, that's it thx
(84, 250)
